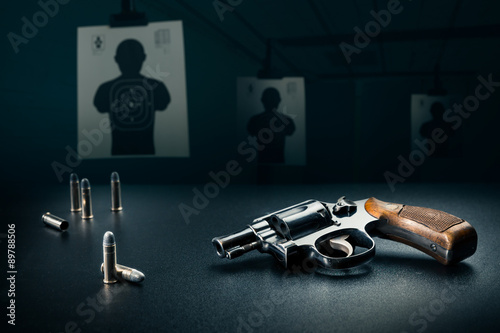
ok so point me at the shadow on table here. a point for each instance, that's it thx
(267, 264)
(426, 265)
(257, 264)
(63, 235)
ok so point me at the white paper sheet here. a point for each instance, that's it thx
(146, 105)
(292, 104)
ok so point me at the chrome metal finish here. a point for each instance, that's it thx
(235, 245)
(86, 200)
(326, 233)
(344, 206)
(109, 256)
(74, 190)
(55, 221)
(116, 201)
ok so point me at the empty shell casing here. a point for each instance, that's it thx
(116, 200)
(74, 190)
(86, 200)
(55, 221)
(109, 257)
(127, 273)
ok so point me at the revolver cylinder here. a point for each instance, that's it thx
(300, 220)
(269, 233)
(310, 230)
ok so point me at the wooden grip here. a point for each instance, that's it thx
(447, 238)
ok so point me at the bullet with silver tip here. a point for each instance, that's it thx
(74, 188)
(109, 257)
(127, 273)
(55, 221)
(86, 200)
(116, 201)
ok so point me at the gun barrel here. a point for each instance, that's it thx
(237, 244)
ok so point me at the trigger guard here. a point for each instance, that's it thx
(362, 239)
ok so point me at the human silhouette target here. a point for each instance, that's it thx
(271, 120)
(131, 101)
(132, 98)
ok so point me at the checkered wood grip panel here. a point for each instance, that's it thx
(434, 219)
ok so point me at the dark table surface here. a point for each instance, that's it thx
(188, 288)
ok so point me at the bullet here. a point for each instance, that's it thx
(55, 221)
(74, 188)
(109, 257)
(86, 200)
(131, 275)
(127, 273)
(116, 200)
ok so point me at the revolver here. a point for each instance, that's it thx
(338, 235)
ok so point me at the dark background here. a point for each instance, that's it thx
(358, 114)
(358, 123)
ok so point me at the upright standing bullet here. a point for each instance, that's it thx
(74, 190)
(116, 200)
(86, 200)
(109, 256)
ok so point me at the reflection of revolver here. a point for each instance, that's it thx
(336, 235)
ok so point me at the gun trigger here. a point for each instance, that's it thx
(341, 244)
